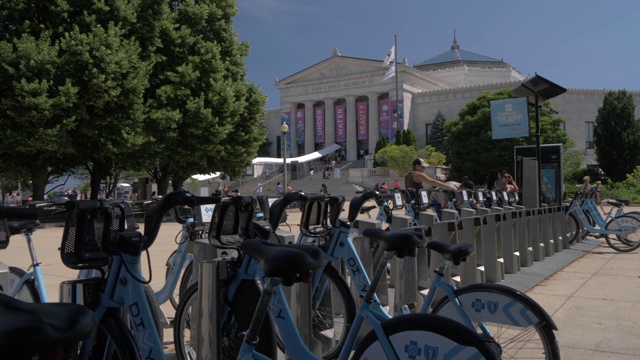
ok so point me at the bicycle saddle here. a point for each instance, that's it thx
(453, 252)
(285, 261)
(399, 242)
(27, 328)
(16, 227)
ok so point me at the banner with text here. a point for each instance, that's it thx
(397, 119)
(300, 126)
(362, 114)
(341, 128)
(285, 118)
(509, 118)
(319, 124)
(384, 117)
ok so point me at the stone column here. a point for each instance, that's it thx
(374, 122)
(352, 142)
(309, 138)
(329, 122)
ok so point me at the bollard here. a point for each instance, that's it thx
(469, 272)
(449, 215)
(509, 247)
(524, 241)
(441, 232)
(406, 275)
(545, 227)
(555, 229)
(363, 248)
(207, 339)
(426, 219)
(302, 315)
(499, 217)
(492, 267)
(535, 234)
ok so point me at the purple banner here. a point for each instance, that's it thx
(300, 126)
(362, 114)
(319, 124)
(384, 114)
(286, 118)
(397, 119)
(341, 129)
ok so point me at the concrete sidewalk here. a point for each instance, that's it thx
(591, 291)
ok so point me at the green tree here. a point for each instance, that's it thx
(472, 150)
(410, 139)
(397, 157)
(199, 93)
(380, 144)
(437, 137)
(616, 135)
(431, 156)
(399, 140)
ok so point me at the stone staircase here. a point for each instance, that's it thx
(310, 185)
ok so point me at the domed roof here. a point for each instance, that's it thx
(456, 55)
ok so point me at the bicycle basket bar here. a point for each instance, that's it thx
(231, 221)
(277, 210)
(356, 203)
(16, 213)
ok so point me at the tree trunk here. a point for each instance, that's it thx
(39, 181)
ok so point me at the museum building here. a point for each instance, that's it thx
(353, 102)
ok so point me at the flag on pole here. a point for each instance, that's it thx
(390, 73)
(390, 56)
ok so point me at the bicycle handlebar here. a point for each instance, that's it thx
(18, 213)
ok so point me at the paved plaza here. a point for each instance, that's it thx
(591, 291)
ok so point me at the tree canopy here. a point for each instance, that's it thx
(616, 135)
(473, 152)
(400, 157)
(125, 85)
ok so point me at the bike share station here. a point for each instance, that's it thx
(509, 235)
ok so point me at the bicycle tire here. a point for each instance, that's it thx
(498, 307)
(29, 292)
(425, 336)
(629, 242)
(156, 312)
(333, 314)
(573, 228)
(237, 320)
(182, 286)
(114, 340)
(636, 215)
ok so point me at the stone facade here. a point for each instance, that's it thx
(343, 82)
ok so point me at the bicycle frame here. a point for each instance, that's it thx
(176, 264)
(35, 274)
(577, 209)
(124, 290)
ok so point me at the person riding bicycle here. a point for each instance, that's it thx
(416, 178)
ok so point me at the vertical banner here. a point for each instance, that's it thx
(383, 115)
(285, 118)
(362, 114)
(300, 126)
(397, 119)
(341, 128)
(318, 124)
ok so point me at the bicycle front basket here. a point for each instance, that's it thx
(231, 222)
(4, 234)
(84, 231)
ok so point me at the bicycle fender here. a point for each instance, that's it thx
(495, 303)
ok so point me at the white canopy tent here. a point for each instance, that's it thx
(260, 163)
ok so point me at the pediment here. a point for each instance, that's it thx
(335, 67)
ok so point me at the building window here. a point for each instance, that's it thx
(588, 135)
(429, 130)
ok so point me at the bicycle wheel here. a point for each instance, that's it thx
(573, 228)
(624, 243)
(28, 293)
(114, 339)
(333, 313)
(426, 336)
(236, 321)
(182, 284)
(156, 312)
(515, 322)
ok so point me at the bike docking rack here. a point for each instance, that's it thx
(506, 239)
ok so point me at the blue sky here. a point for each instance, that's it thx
(584, 44)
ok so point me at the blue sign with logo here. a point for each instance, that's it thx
(509, 118)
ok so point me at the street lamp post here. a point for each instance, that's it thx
(285, 129)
